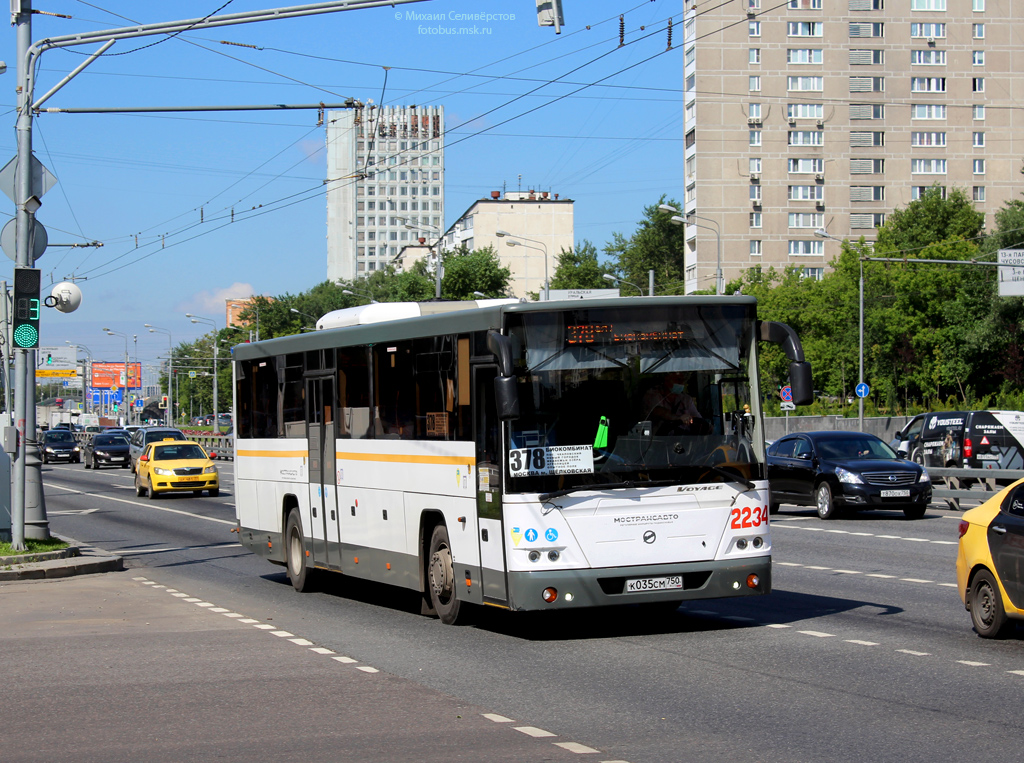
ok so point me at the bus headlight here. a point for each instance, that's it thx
(741, 544)
(553, 555)
(758, 542)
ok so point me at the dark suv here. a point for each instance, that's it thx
(145, 435)
(932, 439)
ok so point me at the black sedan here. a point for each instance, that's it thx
(106, 449)
(852, 470)
(60, 445)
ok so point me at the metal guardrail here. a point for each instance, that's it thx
(223, 446)
(973, 485)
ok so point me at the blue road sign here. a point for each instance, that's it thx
(787, 394)
(863, 390)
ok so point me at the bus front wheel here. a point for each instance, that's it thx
(299, 573)
(441, 576)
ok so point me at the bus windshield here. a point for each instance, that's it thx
(660, 394)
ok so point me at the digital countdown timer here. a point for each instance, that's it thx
(608, 333)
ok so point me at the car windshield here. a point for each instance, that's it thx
(110, 439)
(61, 435)
(178, 452)
(866, 447)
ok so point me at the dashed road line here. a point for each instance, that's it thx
(974, 664)
(864, 534)
(818, 634)
(912, 653)
(531, 731)
(860, 643)
(856, 572)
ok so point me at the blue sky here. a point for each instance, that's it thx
(159, 189)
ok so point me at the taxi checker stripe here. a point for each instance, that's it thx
(380, 457)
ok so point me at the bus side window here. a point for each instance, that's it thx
(353, 393)
(394, 391)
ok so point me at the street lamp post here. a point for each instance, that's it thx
(616, 280)
(517, 240)
(351, 293)
(87, 376)
(216, 410)
(679, 220)
(436, 249)
(822, 233)
(169, 415)
(124, 393)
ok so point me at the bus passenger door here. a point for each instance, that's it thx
(487, 433)
(323, 493)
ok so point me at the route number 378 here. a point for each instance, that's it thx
(749, 517)
(527, 460)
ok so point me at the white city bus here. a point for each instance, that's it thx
(506, 454)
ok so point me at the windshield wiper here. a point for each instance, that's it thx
(544, 497)
(732, 476)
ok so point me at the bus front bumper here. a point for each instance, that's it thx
(608, 586)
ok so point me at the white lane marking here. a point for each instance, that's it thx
(192, 600)
(346, 660)
(138, 579)
(1016, 672)
(866, 535)
(890, 537)
(179, 595)
(264, 626)
(149, 582)
(497, 718)
(818, 634)
(838, 532)
(777, 625)
(140, 551)
(203, 604)
(232, 614)
(913, 653)
(974, 664)
(918, 540)
(861, 643)
(321, 650)
(218, 610)
(948, 585)
(148, 505)
(877, 575)
(367, 669)
(281, 634)
(533, 731)
(301, 641)
(575, 747)
(788, 564)
(848, 572)
(71, 511)
(813, 567)
(916, 580)
(248, 621)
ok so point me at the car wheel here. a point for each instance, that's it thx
(214, 492)
(95, 463)
(914, 512)
(45, 461)
(441, 577)
(152, 492)
(300, 574)
(140, 491)
(124, 466)
(824, 502)
(917, 456)
(987, 611)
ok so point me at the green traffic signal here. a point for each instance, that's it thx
(26, 308)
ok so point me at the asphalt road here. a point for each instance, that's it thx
(862, 652)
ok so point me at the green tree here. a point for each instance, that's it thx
(658, 244)
(578, 268)
(467, 271)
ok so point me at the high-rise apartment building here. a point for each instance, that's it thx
(812, 114)
(385, 184)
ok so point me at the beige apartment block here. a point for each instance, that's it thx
(527, 229)
(385, 184)
(812, 114)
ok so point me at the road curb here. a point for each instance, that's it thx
(77, 559)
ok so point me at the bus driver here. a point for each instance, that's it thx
(670, 408)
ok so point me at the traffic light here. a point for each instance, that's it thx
(25, 329)
(163, 401)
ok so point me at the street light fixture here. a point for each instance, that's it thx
(124, 394)
(822, 233)
(169, 415)
(88, 375)
(216, 409)
(515, 242)
(364, 294)
(616, 280)
(680, 220)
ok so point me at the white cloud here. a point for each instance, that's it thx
(211, 303)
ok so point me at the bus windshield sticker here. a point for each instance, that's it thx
(437, 424)
(557, 459)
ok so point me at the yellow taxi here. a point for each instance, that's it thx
(990, 562)
(174, 466)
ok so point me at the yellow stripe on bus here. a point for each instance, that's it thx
(274, 453)
(405, 459)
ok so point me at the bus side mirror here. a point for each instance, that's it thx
(506, 397)
(800, 381)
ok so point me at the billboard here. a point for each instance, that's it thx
(111, 375)
(1011, 272)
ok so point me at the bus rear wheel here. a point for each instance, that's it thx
(299, 573)
(441, 577)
